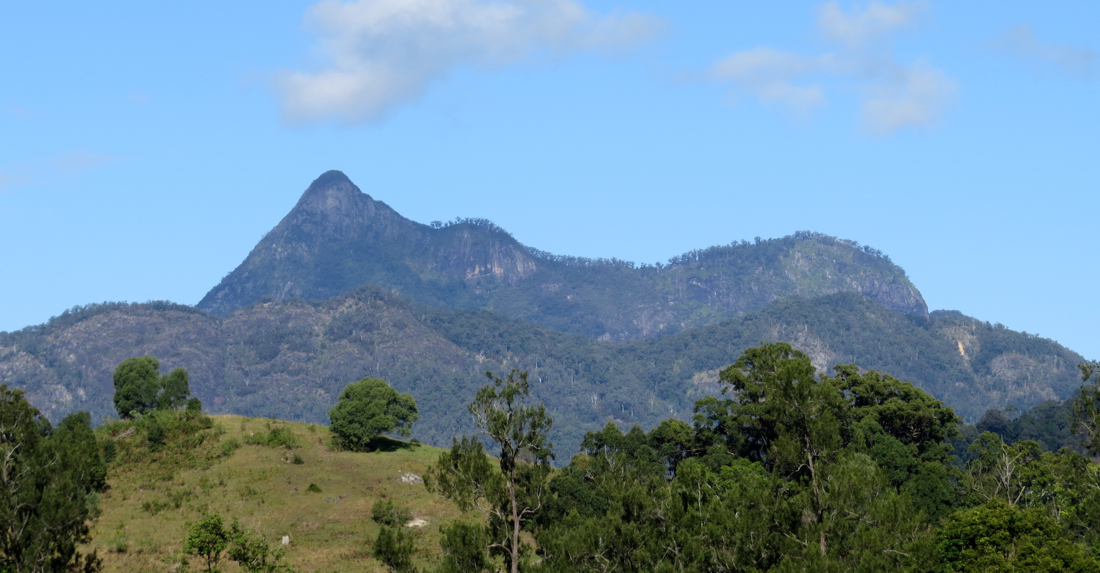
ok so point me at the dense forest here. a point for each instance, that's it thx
(791, 470)
(290, 359)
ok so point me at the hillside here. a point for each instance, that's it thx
(338, 238)
(152, 496)
(290, 359)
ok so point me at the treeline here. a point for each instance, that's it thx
(790, 471)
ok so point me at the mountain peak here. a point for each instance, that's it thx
(332, 191)
(329, 178)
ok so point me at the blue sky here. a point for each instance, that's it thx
(145, 148)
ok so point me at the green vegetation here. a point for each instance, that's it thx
(154, 497)
(208, 538)
(394, 546)
(789, 469)
(50, 481)
(291, 360)
(796, 471)
(511, 494)
(139, 388)
(366, 410)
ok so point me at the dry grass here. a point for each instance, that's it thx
(152, 498)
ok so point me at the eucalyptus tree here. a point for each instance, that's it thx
(512, 493)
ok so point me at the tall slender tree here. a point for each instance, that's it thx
(505, 413)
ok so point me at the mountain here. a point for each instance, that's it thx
(337, 238)
(289, 359)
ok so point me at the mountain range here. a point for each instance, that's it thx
(345, 287)
(337, 238)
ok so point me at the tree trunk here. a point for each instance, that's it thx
(515, 522)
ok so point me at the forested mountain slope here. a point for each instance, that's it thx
(290, 359)
(337, 238)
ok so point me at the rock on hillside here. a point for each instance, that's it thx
(338, 238)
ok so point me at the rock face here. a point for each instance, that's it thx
(338, 238)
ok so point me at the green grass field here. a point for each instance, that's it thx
(154, 495)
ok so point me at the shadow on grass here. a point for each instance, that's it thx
(387, 444)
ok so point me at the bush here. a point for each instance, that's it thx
(110, 450)
(229, 446)
(388, 513)
(394, 548)
(463, 547)
(313, 488)
(253, 554)
(155, 435)
(278, 437)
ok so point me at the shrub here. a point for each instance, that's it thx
(229, 446)
(313, 487)
(110, 450)
(253, 554)
(385, 512)
(394, 548)
(278, 437)
(155, 435)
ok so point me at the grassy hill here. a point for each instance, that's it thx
(153, 495)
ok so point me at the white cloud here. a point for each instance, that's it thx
(893, 95)
(859, 29)
(769, 73)
(916, 95)
(1022, 43)
(383, 53)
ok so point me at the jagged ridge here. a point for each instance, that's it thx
(338, 238)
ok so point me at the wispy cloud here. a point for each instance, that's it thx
(66, 165)
(10, 178)
(1022, 43)
(893, 95)
(19, 111)
(380, 54)
(76, 161)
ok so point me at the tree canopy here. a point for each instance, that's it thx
(366, 410)
(139, 387)
(48, 478)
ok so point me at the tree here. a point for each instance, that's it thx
(140, 388)
(789, 418)
(47, 478)
(503, 412)
(1086, 407)
(367, 409)
(208, 538)
(999, 537)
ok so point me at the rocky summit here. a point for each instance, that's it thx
(337, 238)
